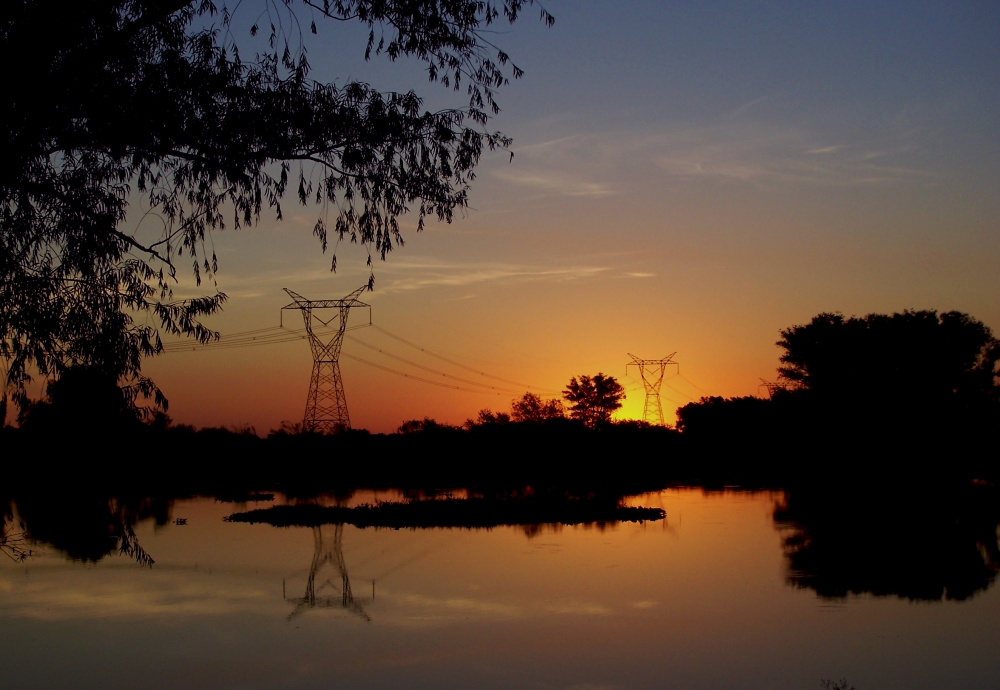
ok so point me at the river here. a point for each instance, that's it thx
(706, 598)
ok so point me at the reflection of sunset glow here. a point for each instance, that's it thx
(700, 598)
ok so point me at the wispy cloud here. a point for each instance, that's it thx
(825, 149)
(399, 274)
(763, 155)
(415, 274)
(553, 183)
(559, 167)
(734, 150)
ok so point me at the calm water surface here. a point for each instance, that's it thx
(701, 600)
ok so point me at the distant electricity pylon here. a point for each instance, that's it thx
(774, 387)
(326, 405)
(651, 371)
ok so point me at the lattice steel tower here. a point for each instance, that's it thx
(326, 405)
(651, 371)
(775, 387)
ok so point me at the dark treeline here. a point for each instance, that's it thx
(910, 396)
(494, 458)
(763, 449)
(880, 393)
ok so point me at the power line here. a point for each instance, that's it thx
(458, 364)
(413, 377)
(233, 342)
(279, 334)
(232, 346)
(429, 369)
(693, 383)
(237, 340)
(677, 390)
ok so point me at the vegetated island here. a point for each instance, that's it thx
(469, 513)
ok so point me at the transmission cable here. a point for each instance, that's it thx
(458, 364)
(239, 340)
(429, 369)
(411, 376)
(694, 384)
(676, 390)
(279, 334)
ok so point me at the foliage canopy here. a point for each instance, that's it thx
(152, 102)
(889, 386)
(594, 399)
(530, 407)
(920, 364)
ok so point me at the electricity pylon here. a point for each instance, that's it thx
(774, 387)
(651, 371)
(326, 405)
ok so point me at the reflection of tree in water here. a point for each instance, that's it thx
(88, 528)
(918, 545)
(13, 541)
(327, 551)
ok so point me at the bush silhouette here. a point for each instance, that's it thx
(593, 399)
(532, 408)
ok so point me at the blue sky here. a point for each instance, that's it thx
(687, 177)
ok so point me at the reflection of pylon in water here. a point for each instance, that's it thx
(325, 552)
(651, 371)
(326, 404)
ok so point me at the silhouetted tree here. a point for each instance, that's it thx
(914, 369)
(155, 99)
(84, 398)
(532, 408)
(730, 419)
(416, 426)
(487, 416)
(593, 399)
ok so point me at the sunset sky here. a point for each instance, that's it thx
(687, 177)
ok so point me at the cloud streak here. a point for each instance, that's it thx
(406, 276)
(606, 163)
(767, 156)
(399, 274)
(552, 183)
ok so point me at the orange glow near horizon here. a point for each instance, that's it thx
(700, 221)
(537, 322)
